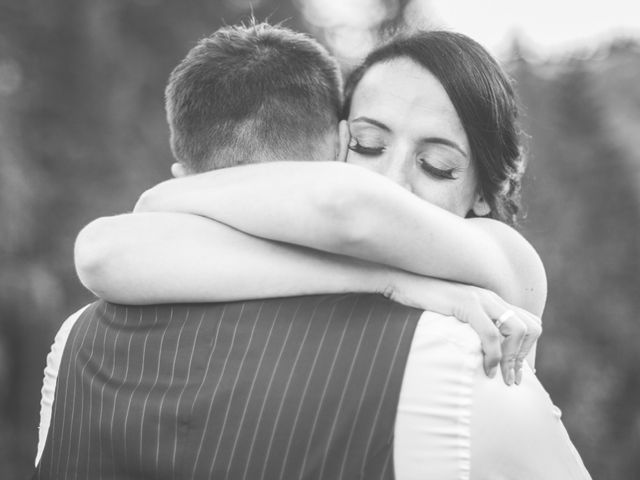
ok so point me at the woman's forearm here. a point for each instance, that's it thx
(167, 257)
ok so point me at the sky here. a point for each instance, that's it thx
(546, 27)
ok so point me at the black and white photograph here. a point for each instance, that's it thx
(319, 240)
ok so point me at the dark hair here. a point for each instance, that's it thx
(250, 93)
(483, 98)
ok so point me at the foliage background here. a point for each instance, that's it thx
(82, 133)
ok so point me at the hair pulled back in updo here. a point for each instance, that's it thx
(483, 98)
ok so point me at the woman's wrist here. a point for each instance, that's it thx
(359, 276)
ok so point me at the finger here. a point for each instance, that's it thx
(534, 330)
(525, 347)
(490, 340)
(514, 331)
(529, 340)
(524, 352)
(511, 329)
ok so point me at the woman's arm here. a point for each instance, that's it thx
(169, 257)
(348, 210)
(147, 258)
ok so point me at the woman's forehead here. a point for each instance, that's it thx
(405, 95)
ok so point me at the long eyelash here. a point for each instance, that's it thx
(437, 172)
(365, 150)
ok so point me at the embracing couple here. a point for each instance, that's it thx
(281, 310)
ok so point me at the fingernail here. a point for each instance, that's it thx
(519, 376)
(510, 377)
(493, 371)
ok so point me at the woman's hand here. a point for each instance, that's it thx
(507, 333)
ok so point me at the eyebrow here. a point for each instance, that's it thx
(372, 122)
(436, 140)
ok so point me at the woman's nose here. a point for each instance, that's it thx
(398, 170)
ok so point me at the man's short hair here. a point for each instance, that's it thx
(252, 93)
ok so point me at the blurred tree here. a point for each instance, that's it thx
(583, 217)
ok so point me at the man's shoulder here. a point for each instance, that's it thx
(72, 319)
(68, 324)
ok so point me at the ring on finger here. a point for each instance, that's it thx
(504, 317)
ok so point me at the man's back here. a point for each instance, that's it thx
(303, 387)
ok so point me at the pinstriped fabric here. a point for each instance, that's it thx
(69, 444)
(111, 361)
(285, 393)
(376, 425)
(305, 390)
(60, 424)
(293, 388)
(360, 402)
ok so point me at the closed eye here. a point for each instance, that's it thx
(445, 174)
(357, 147)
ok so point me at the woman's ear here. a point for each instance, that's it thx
(480, 207)
(343, 139)
(179, 170)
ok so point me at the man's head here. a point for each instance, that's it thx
(252, 94)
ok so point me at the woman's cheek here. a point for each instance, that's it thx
(443, 195)
(431, 192)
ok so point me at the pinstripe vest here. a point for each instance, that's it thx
(290, 388)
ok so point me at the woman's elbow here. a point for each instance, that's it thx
(537, 289)
(92, 254)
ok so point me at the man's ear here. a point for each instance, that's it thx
(179, 170)
(343, 139)
(480, 207)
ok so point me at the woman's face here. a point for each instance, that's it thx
(404, 126)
